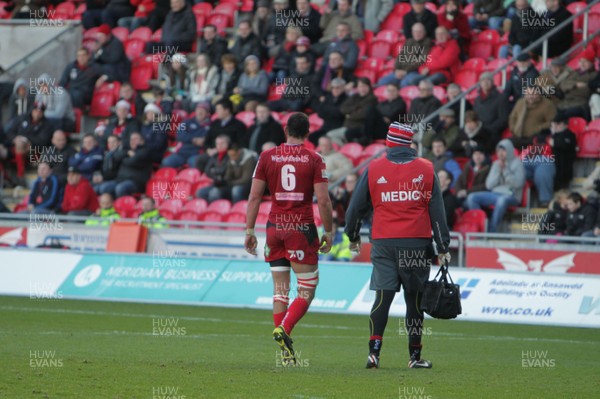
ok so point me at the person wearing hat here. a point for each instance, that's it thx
(504, 185)
(122, 124)
(303, 48)
(571, 87)
(522, 75)
(473, 175)
(80, 198)
(154, 130)
(110, 56)
(491, 108)
(404, 194)
(135, 100)
(191, 135)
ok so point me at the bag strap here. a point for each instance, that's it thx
(447, 273)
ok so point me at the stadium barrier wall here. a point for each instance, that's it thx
(164, 277)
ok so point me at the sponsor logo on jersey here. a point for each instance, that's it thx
(381, 180)
(289, 196)
(290, 158)
(418, 179)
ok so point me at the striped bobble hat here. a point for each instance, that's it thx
(399, 134)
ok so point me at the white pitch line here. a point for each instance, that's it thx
(457, 336)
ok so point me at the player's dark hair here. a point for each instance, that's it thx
(298, 125)
(575, 197)
(225, 103)
(440, 140)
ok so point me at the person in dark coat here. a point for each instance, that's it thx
(523, 75)
(212, 45)
(564, 148)
(310, 20)
(111, 57)
(472, 135)
(473, 175)
(178, 31)
(554, 221)
(393, 106)
(111, 163)
(191, 135)
(120, 125)
(79, 78)
(491, 108)
(63, 151)
(216, 167)
(33, 127)
(328, 109)
(419, 14)
(246, 43)
(265, 129)
(154, 131)
(116, 9)
(423, 105)
(227, 78)
(450, 201)
(560, 41)
(521, 35)
(92, 15)
(296, 95)
(334, 68)
(20, 102)
(581, 216)
(226, 124)
(45, 193)
(134, 171)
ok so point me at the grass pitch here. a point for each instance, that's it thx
(80, 349)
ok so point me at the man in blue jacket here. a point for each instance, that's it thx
(45, 193)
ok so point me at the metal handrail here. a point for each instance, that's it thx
(462, 97)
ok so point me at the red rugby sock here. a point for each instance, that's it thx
(295, 312)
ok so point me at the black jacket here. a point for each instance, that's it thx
(554, 221)
(581, 220)
(361, 205)
(61, 167)
(519, 34)
(565, 153)
(270, 131)
(559, 42)
(420, 108)
(427, 18)
(179, 28)
(514, 85)
(216, 169)
(215, 50)
(137, 168)
(38, 134)
(235, 129)
(131, 125)
(75, 78)
(492, 111)
(310, 25)
(111, 163)
(243, 47)
(113, 60)
(392, 109)
(329, 111)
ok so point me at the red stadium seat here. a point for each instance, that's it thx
(594, 125)
(142, 70)
(210, 216)
(593, 22)
(240, 206)
(265, 207)
(179, 189)
(247, 117)
(120, 33)
(101, 105)
(439, 93)
(143, 32)
(374, 64)
(374, 148)
(431, 7)
(363, 46)
(466, 78)
(66, 10)
(473, 221)
(390, 36)
(134, 48)
(468, 10)
(202, 9)
(221, 21)
(483, 50)
(575, 8)
(283, 118)
(167, 214)
(577, 125)
(189, 216)
(276, 92)
(227, 9)
(197, 205)
(157, 36)
(409, 93)
(368, 35)
(315, 122)
(200, 23)
(203, 182)
(171, 205)
(222, 206)
(461, 161)
(380, 93)
(589, 144)
(474, 64)
(165, 174)
(191, 175)
(235, 217)
(380, 49)
(81, 8)
(352, 150)
(367, 73)
(125, 206)
(488, 36)
(248, 6)
(78, 115)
